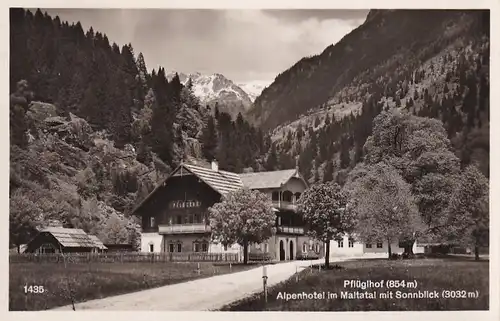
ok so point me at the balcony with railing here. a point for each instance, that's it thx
(291, 206)
(184, 228)
(297, 230)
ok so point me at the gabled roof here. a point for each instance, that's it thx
(272, 179)
(70, 237)
(224, 182)
(221, 181)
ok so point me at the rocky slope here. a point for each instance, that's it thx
(216, 88)
(74, 175)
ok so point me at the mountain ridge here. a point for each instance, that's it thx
(313, 81)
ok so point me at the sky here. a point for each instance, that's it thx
(243, 45)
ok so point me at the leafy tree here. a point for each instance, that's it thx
(421, 152)
(19, 101)
(468, 212)
(242, 217)
(24, 218)
(383, 204)
(115, 230)
(324, 210)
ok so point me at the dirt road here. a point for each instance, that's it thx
(198, 295)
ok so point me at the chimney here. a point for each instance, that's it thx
(215, 165)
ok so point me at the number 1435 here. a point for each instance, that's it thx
(35, 289)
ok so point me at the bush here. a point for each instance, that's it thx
(259, 257)
(395, 256)
(307, 256)
(408, 256)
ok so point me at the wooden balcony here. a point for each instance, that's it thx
(183, 228)
(285, 205)
(290, 230)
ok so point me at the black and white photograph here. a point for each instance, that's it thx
(231, 159)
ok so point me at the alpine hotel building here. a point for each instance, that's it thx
(175, 214)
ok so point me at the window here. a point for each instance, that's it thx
(171, 247)
(204, 247)
(287, 196)
(304, 247)
(257, 246)
(152, 221)
(178, 219)
(225, 247)
(179, 247)
(351, 243)
(379, 245)
(340, 243)
(276, 196)
(196, 247)
(151, 247)
(266, 248)
(368, 246)
(317, 248)
(402, 244)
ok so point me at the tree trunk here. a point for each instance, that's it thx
(327, 255)
(389, 249)
(245, 252)
(476, 252)
(408, 249)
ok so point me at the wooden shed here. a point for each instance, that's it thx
(66, 240)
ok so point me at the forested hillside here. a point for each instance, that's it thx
(321, 109)
(92, 131)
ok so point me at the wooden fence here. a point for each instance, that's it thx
(124, 257)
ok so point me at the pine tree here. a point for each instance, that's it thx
(162, 119)
(272, 159)
(209, 139)
(345, 159)
(316, 122)
(328, 174)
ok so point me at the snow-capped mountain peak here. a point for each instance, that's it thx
(217, 88)
(254, 88)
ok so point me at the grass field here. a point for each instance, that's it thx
(461, 274)
(84, 282)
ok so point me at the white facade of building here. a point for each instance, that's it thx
(151, 242)
(350, 247)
